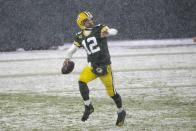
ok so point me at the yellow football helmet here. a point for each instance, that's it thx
(83, 16)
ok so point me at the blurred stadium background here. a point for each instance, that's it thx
(44, 24)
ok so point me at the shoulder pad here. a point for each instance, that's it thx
(99, 25)
(78, 33)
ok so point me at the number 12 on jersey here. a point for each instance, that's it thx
(91, 46)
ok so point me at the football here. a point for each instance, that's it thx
(68, 67)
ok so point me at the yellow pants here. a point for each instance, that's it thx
(87, 75)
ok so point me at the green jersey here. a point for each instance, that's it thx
(95, 46)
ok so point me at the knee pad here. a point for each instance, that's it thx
(84, 91)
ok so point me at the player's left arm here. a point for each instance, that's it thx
(106, 31)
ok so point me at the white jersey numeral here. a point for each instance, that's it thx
(93, 46)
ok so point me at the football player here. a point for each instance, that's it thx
(93, 38)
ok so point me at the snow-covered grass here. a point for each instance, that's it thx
(157, 82)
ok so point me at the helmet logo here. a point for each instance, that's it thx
(99, 70)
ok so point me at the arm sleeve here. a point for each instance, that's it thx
(71, 51)
(112, 31)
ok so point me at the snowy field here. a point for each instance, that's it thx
(156, 79)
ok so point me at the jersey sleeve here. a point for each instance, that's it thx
(102, 28)
(77, 41)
